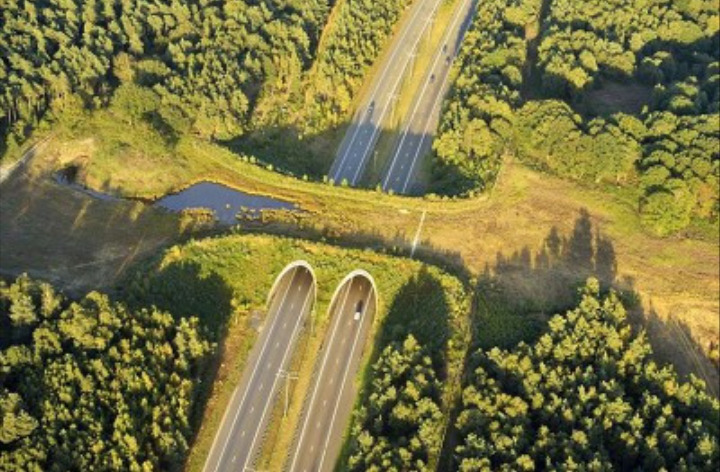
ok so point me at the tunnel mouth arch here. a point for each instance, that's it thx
(283, 273)
(350, 276)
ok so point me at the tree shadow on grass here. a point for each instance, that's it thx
(673, 343)
(516, 295)
(284, 223)
(184, 290)
(421, 310)
(287, 150)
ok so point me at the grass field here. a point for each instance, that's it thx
(222, 283)
(676, 278)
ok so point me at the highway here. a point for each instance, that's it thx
(330, 404)
(364, 131)
(420, 125)
(241, 431)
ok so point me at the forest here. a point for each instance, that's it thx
(597, 92)
(350, 48)
(215, 69)
(194, 66)
(476, 125)
(585, 396)
(402, 420)
(91, 385)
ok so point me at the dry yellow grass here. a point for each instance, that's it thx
(676, 278)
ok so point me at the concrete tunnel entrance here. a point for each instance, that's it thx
(290, 274)
(356, 294)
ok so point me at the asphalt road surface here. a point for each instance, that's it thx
(416, 139)
(364, 131)
(326, 415)
(238, 439)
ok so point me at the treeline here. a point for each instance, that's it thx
(476, 125)
(357, 34)
(589, 52)
(89, 385)
(187, 66)
(400, 425)
(585, 395)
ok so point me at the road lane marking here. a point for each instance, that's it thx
(342, 388)
(259, 429)
(249, 383)
(394, 87)
(428, 80)
(388, 66)
(316, 388)
(439, 96)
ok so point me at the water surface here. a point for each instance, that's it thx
(224, 201)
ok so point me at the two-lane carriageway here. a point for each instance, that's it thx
(328, 409)
(416, 138)
(240, 435)
(364, 131)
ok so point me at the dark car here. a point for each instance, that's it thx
(358, 310)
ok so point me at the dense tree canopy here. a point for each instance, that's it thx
(477, 118)
(352, 44)
(585, 396)
(202, 63)
(402, 421)
(669, 148)
(92, 386)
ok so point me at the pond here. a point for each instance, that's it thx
(224, 201)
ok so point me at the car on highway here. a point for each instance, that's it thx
(358, 310)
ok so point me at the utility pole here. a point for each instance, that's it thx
(417, 233)
(288, 376)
